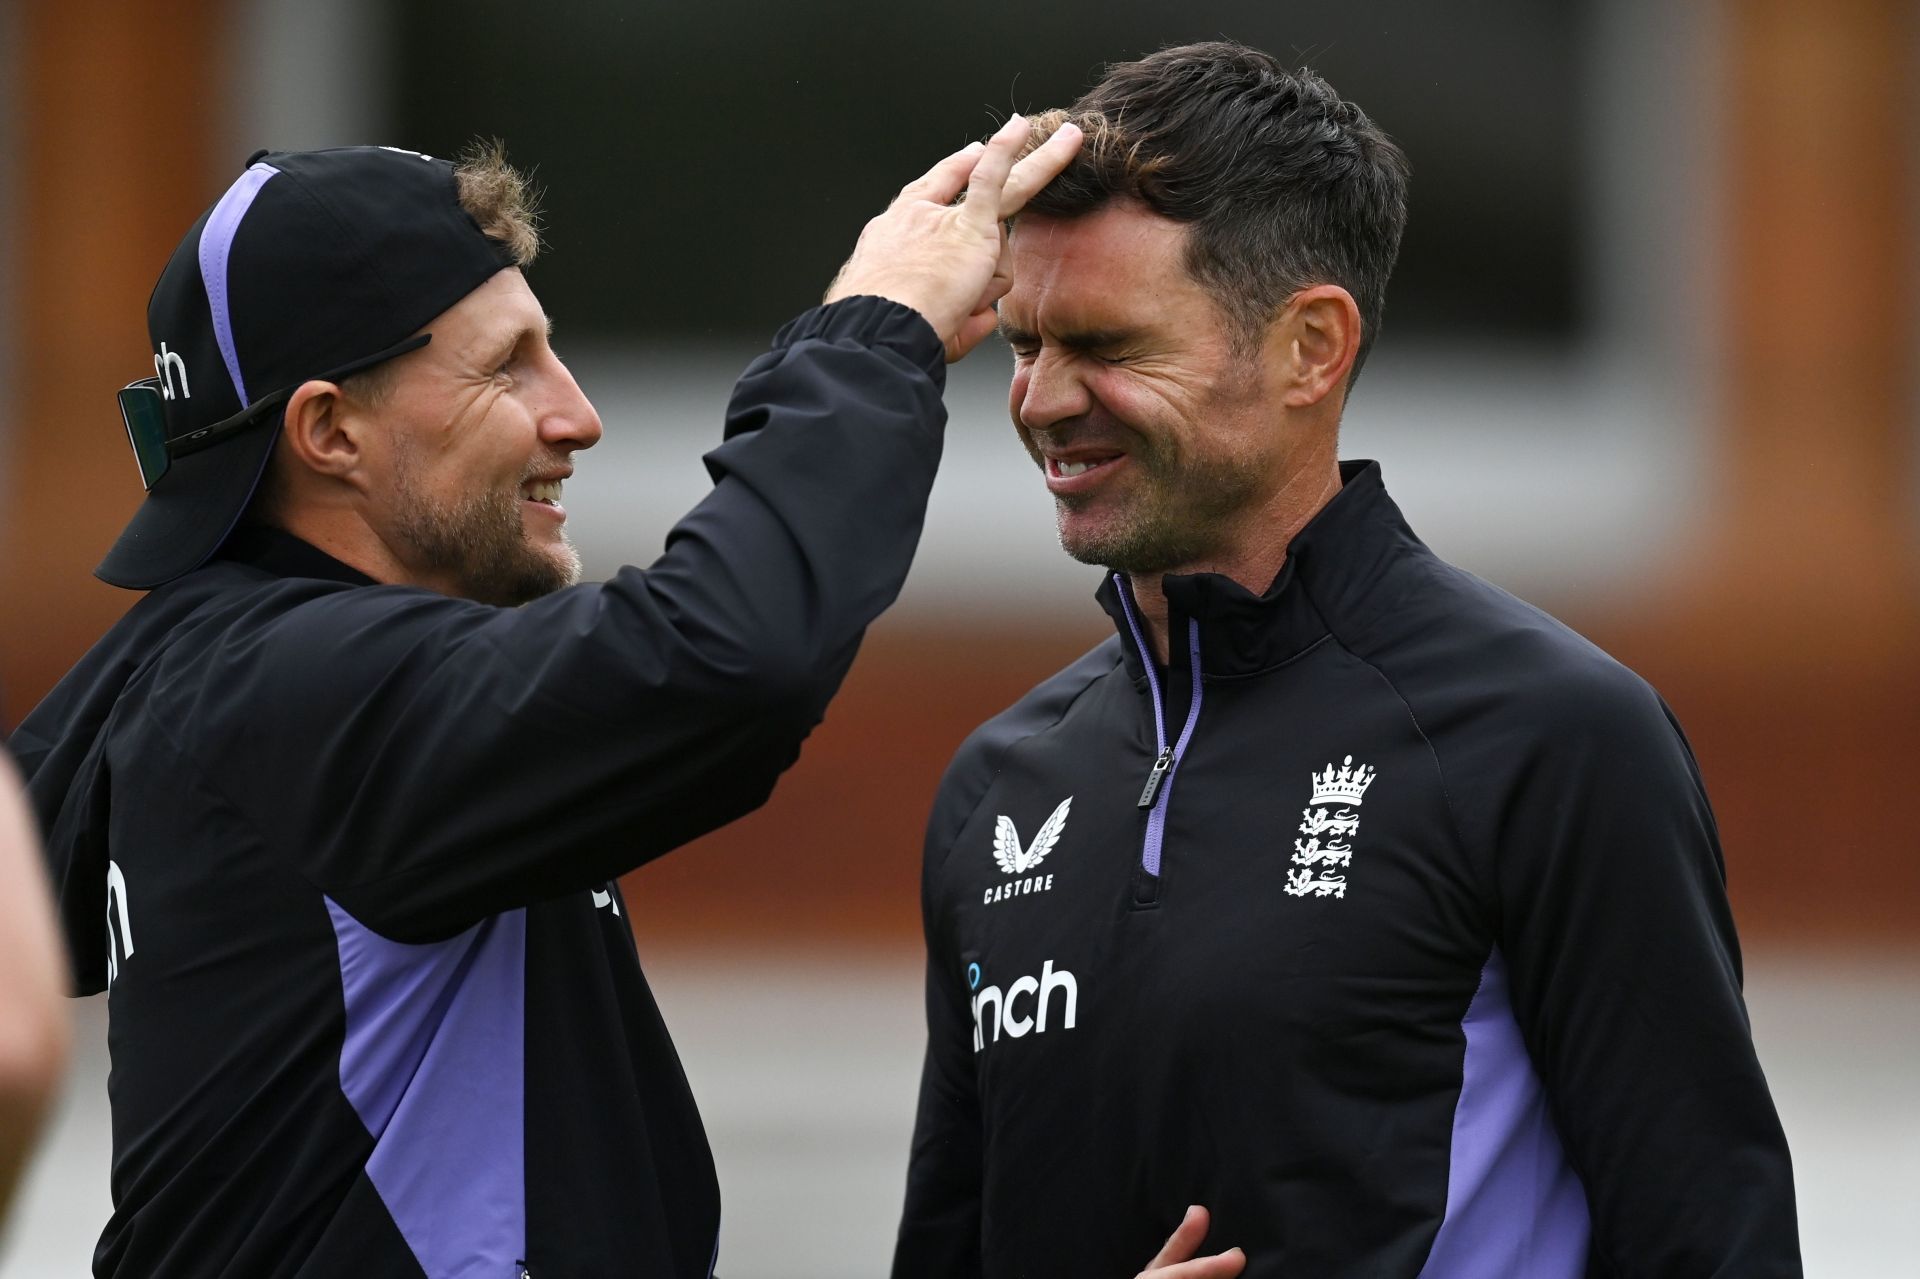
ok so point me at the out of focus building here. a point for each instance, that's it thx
(1650, 362)
(1648, 358)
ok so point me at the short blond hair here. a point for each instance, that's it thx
(500, 199)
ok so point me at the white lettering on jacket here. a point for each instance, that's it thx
(1007, 1011)
(119, 945)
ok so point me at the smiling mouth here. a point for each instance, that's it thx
(1061, 469)
(545, 492)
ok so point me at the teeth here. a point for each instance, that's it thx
(545, 491)
(1070, 469)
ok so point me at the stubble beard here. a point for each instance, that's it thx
(480, 546)
(1180, 513)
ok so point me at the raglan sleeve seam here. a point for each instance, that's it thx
(997, 765)
(1454, 823)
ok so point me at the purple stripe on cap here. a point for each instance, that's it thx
(216, 243)
(434, 1064)
(1515, 1206)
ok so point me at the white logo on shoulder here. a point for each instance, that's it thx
(1329, 824)
(1016, 860)
(165, 365)
(120, 942)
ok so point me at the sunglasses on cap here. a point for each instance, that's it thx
(143, 411)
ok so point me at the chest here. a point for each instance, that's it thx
(1294, 875)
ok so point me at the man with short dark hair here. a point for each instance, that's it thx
(1339, 892)
(338, 829)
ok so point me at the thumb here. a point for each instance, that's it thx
(972, 332)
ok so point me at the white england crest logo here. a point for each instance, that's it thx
(1329, 824)
(1014, 859)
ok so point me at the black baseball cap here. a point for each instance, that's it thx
(314, 264)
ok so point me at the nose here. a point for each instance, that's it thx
(1048, 390)
(568, 421)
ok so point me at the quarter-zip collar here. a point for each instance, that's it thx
(284, 555)
(1336, 566)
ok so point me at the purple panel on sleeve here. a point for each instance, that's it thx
(1515, 1206)
(216, 242)
(434, 1064)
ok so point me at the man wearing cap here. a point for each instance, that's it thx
(337, 831)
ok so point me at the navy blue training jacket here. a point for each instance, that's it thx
(343, 855)
(1388, 921)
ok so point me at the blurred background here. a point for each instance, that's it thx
(1649, 362)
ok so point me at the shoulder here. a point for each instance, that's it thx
(265, 643)
(982, 755)
(1480, 668)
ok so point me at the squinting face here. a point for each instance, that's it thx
(479, 429)
(1159, 441)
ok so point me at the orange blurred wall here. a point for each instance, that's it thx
(1788, 640)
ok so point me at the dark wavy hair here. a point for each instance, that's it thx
(1283, 183)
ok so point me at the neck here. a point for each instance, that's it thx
(348, 540)
(1253, 558)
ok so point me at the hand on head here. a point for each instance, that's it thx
(947, 260)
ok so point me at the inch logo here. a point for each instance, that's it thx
(165, 365)
(1018, 1025)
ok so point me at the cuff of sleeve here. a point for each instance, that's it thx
(871, 321)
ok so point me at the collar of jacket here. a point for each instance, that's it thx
(284, 555)
(1336, 568)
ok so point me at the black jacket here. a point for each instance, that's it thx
(1417, 961)
(345, 852)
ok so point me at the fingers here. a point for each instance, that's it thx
(944, 259)
(1223, 1265)
(1033, 172)
(973, 331)
(989, 177)
(1176, 1260)
(946, 179)
(994, 182)
(1184, 1241)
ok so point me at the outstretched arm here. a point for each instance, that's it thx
(464, 760)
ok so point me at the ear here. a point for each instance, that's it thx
(321, 433)
(1320, 338)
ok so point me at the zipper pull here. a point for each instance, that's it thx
(1160, 767)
